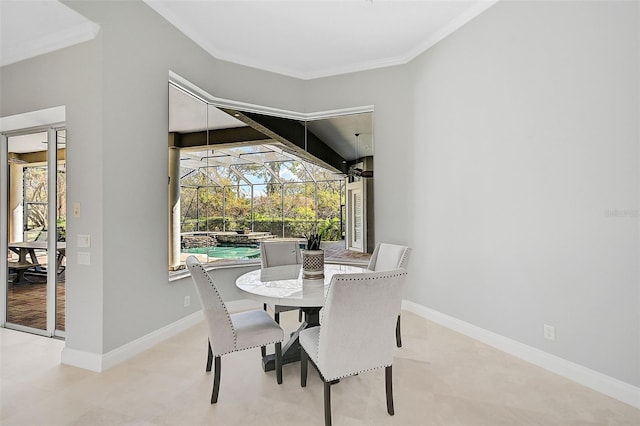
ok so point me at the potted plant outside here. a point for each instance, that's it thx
(313, 257)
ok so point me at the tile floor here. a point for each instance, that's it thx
(440, 378)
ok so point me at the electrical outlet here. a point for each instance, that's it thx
(549, 332)
(84, 258)
(187, 301)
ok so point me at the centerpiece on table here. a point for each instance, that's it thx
(313, 258)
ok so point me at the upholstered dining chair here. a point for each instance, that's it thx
(278, 253)
(356, 330)
(232, 332)
(390, 256)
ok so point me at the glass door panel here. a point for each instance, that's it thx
(33, 194)
(27, 195)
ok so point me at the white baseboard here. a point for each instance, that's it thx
(81, 359)
(98, 362)
(599, 382)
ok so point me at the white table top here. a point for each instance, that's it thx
(284, 285)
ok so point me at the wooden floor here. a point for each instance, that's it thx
(27, 303)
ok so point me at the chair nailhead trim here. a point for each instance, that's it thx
(215, 289)
(392, 275)
(235, 337)
(250, 347)
(358, 372)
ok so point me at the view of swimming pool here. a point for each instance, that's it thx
(227, 252)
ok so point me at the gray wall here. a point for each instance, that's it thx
(72, 77)
(499, 153)
(526, 144)
(389, 91)
(115, 89)
(137, 297)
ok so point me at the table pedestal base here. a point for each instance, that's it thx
(291, 351)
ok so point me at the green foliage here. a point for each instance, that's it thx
(313, 240)
(299, 208)
(61, 229)
(330, 229)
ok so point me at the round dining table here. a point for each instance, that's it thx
(285, 286)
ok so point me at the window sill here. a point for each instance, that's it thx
(183, 273)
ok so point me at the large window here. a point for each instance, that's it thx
(238, 177)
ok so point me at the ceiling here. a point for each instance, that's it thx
(311, 39)
(188, 113)
(303, 39)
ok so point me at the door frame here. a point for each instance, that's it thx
(352, 189)
(50, 120)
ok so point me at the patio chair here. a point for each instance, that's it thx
(390, 256)
(232, 332)
(278, 253)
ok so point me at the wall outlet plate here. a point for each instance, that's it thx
(84, 258)
(549, 332)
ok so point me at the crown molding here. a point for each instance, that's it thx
(51, 42)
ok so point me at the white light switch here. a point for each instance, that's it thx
(76, 209)
(84, 258)
(84, 241)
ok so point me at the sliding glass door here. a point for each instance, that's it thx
(34, 297)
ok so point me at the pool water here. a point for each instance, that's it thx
(230, 252)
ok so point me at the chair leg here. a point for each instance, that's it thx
(209, 356)
(388, 376)
(279, 362)
(398, 338)
(299, 315)
(216, 381)
(304, 361)
(263, 351)
(327, 403)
